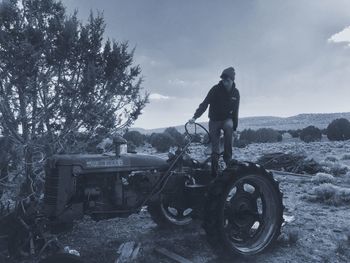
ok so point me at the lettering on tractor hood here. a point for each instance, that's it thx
(104, 163)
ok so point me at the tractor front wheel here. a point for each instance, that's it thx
(166, 213)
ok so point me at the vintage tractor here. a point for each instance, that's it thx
(241, 210)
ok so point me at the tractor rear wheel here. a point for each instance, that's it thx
(244, 211)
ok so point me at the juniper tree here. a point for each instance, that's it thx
(59, 76)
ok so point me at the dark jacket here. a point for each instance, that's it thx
(222, 104)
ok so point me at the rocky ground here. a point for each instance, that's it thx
(317, 211)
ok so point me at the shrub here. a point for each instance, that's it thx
(268, 135)
(335, 168)
(105, 145)
(131, 147)
(310, 134)
(343, 244)
(148, 138)
(162, 141)
(262, 135)
(93, 141)
(295, 133)
(135, 137)
(339, 130)
(331, 159)
(338, 169)
(177, 136)
(247, 136)
(346, 157)
(321, 178)
(330, 194)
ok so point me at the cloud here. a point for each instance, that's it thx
(183, 83)
(177, 82)
(341, 37)
(146, 60)
(157, 96)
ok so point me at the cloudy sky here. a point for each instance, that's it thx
(290, 56)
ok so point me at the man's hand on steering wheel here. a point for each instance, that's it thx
(196, 126)
(191, 121)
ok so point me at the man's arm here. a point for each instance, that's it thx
(235, 112)
(203, 106)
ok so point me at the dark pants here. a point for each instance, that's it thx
(215, 128)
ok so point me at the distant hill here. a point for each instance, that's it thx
(320, 120)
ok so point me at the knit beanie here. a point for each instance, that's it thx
(228, 73)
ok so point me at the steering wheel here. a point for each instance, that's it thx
(195, 131)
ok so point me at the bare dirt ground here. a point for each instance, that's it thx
(318, 232)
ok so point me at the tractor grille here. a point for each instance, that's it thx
(51, 187)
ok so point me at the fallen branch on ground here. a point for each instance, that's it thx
(293, 163)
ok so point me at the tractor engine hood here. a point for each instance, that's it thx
(124, 162)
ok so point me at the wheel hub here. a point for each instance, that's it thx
(244, 207)
(176, 212)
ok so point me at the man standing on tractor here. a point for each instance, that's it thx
(223, 115)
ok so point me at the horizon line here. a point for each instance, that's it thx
(246, 117)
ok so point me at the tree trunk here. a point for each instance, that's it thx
(26, 187)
